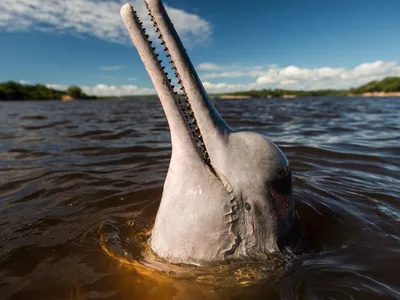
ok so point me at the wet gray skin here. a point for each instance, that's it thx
(227, 194)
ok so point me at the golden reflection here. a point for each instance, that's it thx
(149, 277)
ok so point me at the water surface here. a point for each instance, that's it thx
(66, 169)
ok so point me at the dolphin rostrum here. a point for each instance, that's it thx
(228, 194)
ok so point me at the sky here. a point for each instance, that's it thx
(234, 45)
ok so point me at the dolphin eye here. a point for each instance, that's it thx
(282, 183)
(280, 190)
(247, 206)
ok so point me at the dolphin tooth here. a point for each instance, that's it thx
(184, 103)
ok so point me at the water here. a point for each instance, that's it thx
(78, 179)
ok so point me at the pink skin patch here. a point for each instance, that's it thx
(281, 204)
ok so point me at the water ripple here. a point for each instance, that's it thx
(67, 167)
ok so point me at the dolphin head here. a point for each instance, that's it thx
(227, 194)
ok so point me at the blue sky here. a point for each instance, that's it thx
(235, 45)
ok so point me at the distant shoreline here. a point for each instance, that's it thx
(380, 94)
(387, 87)
(13, 91)
(236, 97)
(369, 94)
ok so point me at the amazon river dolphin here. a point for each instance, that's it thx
(228, 194)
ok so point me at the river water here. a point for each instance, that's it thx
(74, 173)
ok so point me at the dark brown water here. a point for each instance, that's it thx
(73, 172)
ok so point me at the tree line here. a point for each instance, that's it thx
(16, 91)
(387, 85)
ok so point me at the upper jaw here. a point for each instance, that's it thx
(197, 129)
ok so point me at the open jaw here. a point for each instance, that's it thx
(191, 115)
(192, 183)
(227, 194)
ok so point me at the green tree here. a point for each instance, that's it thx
(75, 92)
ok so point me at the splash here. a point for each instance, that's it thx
(127, 242)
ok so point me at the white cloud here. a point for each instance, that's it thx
(377, 67)
(231, 74)
(292, 77)
(189, 26)
(326, 77)
(26, 82)
(111, 68)
(60, 87)
(223, 87)
(210, 67)
(108, 90)
(116, 90)
(100, 19)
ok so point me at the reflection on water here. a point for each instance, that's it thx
(78, 176)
